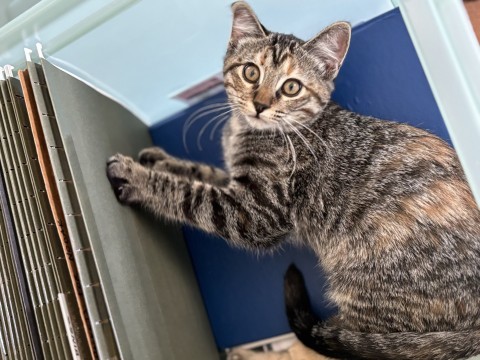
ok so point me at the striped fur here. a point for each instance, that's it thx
(384, 205)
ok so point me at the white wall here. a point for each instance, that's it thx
(155, 47)
(10, 9)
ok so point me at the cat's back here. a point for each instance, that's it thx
(391, 211)
(375, 169)
(364, 163)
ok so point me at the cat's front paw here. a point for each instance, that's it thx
(151, 155)
(125, 176)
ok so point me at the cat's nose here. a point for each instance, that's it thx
(260, 107)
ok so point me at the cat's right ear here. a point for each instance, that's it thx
(245, 23)
(331, 46)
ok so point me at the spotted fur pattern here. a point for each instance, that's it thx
(384, 205)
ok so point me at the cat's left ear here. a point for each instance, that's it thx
(330, 46)
(245, 23)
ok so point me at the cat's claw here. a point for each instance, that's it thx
(121, 174)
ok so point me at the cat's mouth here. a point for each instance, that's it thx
(258, 118)
(260, 121)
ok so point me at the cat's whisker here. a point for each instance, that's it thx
(204, 127)
(294, 155)
(303, 139)
(207, 110)
(311, 131)
(282, 132)
(216, 126)
(204, 108)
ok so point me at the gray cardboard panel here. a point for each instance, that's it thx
(58, 330)
(35, 237)
(79, 238)
(5, 340)
(42, 332)
(94, 300)
(4, 329)
(67, 191)
(144, 267)
(50, 343)
(17, 238)
(11, 263)
(9, 313)
(44, 105)
(11, 294)
(52, 134)
(57, 273)
(57, 270)
(72, 292)
(15, 337)
(62, 172)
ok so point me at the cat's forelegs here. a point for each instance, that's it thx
(237, 213)
(159, 160)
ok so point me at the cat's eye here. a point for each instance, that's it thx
(291, 87)
(251, 73)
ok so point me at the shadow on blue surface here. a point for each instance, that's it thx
(243, 293)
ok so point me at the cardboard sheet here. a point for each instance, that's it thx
(143, 265)
(77, 305)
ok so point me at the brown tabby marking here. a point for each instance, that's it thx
(447, 204)
(394, 234)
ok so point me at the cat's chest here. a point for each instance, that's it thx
(229, 149)
(232, 142)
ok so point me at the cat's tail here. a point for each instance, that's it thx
(337, 343)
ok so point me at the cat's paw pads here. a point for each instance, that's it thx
(149, 156)
(121, 174)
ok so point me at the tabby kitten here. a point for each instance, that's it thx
(385, 206)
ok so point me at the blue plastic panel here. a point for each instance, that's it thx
(243, 293)
(382, 76)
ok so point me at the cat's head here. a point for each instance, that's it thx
(275, 79)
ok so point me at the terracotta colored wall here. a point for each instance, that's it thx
(473, 9)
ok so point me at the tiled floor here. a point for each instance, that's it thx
(473, 9)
